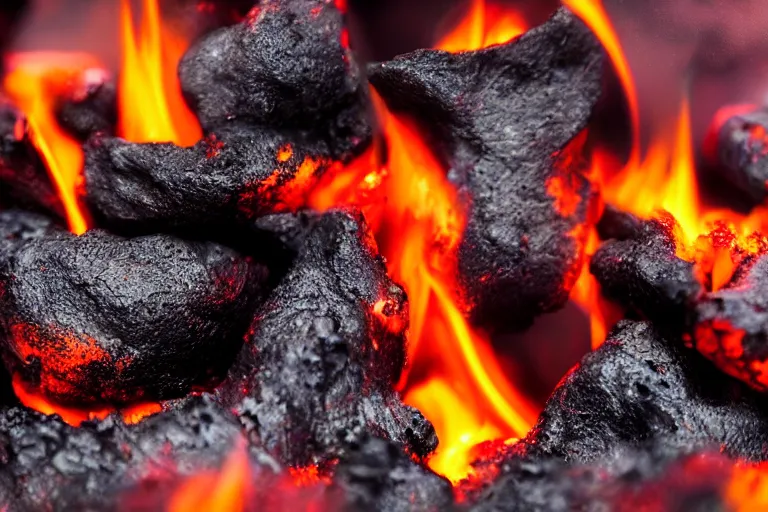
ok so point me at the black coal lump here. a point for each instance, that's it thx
(17, 227)
(506, 121)
(318, 369)
(639, 386)
(90, 106)
(377, 475)
(100, 318)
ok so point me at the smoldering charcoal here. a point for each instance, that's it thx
(251, 259)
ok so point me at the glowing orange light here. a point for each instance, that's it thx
(34, 82)
(152, 108)
(747, 489)
(485, 24)
(227, 489)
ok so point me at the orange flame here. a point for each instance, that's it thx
(34, 82)
(483, 26)
(227, 489)
(747, 488)
(152, 108)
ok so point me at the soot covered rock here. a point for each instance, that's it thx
(90, 105)
(24, 181)
(506, 122)
(318, 370)
(638, 386)
(280, 99)
(653, 478)
(99, 318)
(639, 269)
(730, 326)
(738, 152)
(49, 465)
(378, 475)
(18, 227)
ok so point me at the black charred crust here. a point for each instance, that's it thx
(638, 387)
(654, 477)
(24, 181)
(285, 66)
(318, 370)
(48, 464)
(503, 120)
(640, 269)
(17, 227)
(741, 156)
(378, 475)
(130, 319)
(91, 107)
(730, 325)
(278, 83)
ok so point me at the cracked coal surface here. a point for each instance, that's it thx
(639, 269)
(24, 181)
(639, 386)
(506, 122)
(99, 318)
(280, 98)
(730, 326)
(317, 371)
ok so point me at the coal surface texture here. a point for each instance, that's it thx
(24, 181)
(638, 387)
(99, 318)
(730, 326)
(506, 122)
(638, 268)
(49, 465)
(741, 155)
(17, 227)
(280, 99)
(90, 105)
(378, 475)
(317, 372)
(650, 478)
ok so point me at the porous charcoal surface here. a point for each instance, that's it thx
(653, 478)
(640, 270)
(280, 99)
(17, 227)
(289, 66)
(24, 181)
(90, 106)
(48, 464)
(318, 370)
(100, 318)
(730, 326)
(638, 386)
(741, 153)
(241, 173)
(505, 121)
(379, 476)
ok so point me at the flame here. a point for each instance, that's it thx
(483, 26)
(35, 81)
(227, 489)
(152, 108)
(747, 488)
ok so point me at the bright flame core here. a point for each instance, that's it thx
(152, 108)
(485, 24)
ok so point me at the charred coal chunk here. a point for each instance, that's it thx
(241, 173)
(18, 227)
(50, 465)
(325, 351)
(730, 326)
(640, 270)
(287, 65)
(90, 105)
(99, 318)
(740, 155)
(24, 181)
(507, 122)
(378, 475)
(626, 479)
(638, 386)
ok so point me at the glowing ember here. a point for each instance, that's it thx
(486, 24)
(34, 82)
(747, 488)
(152, 108)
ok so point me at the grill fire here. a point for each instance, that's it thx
(247, 270)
